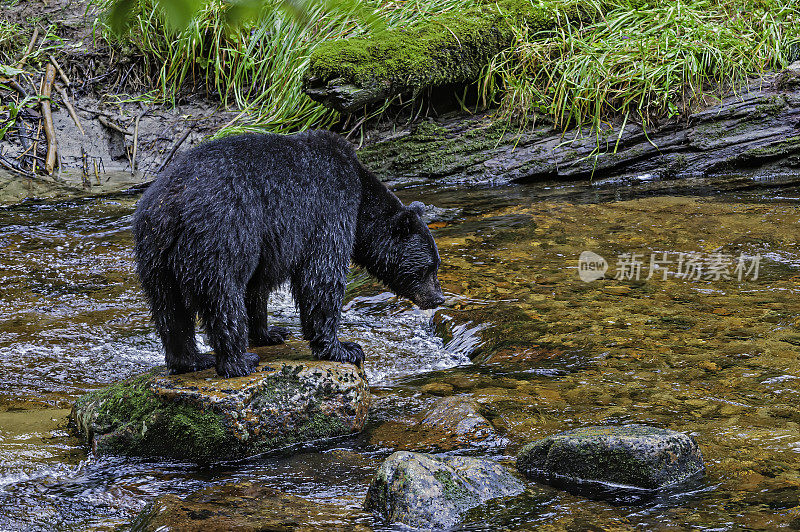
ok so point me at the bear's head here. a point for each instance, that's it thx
(416, 259)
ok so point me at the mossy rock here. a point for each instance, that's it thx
(433, 492)
(636, 456)
(290, 399)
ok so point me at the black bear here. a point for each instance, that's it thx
(232, 219)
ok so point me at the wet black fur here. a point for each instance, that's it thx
(232, 219)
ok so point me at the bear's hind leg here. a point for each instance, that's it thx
(226, 324)
(270, 335)
(320, 303)
(258, 290)
(175, 324)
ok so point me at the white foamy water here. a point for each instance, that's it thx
(397, 340)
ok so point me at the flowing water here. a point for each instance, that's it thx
(713, 352)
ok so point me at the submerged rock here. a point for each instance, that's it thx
(243, 507)
(429, 491)
(457, 420)
(452, 423)
(632, 455)
(500, 333)
(289, 399)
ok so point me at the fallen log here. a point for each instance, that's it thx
(451, 48)
(754, 132)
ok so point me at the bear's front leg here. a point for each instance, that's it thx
(320, 305)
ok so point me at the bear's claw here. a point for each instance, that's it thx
(201, 362)
(274, 335)
(345, 352)
(239, 368)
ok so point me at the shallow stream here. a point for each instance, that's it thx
(703, 352)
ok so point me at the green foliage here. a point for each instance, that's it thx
(256, 66)
(12, 108)
(10, 41)
(178, 14)
(657, 61)
(576, 61)
(8, 71)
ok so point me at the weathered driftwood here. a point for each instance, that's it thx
(756, 131)
(70, 109)
(47, 116)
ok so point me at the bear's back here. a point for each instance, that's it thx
(310, 160)
(253, 188)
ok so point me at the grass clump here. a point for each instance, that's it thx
(10, 41)
(658, 61)
(256, 67)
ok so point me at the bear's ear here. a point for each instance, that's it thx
(417, 207)
(404, 223)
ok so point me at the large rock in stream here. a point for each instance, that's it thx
(635, 456)
(290, 399)
(433, 492)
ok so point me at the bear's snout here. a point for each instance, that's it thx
(429, 301)
(436, 302)
(428, 295)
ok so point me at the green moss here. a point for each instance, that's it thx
(772, 106)
(125, 402)
(712, 131)
(144, 424)
(451, 48)
(431, 150)
(780, 149)
(321, 426)
(453, 490)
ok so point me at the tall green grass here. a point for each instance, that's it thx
(10, 41)
(655, 62)
(661, 60)
(257, 67)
